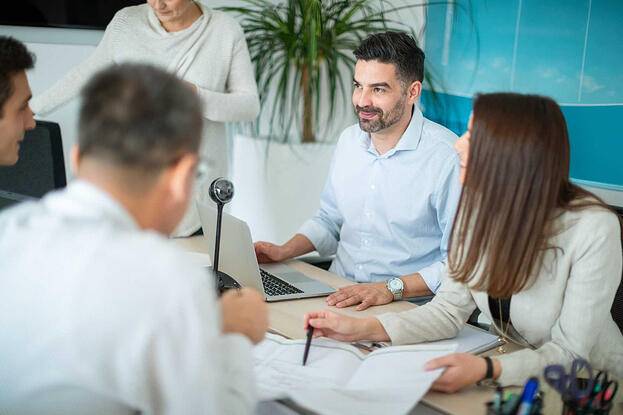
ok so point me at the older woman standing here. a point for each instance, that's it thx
(537, 254)
(206, 48)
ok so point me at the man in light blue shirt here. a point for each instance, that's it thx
(387, 208)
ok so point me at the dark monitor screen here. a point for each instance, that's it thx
(40, 168)
(9, 199)
(82, 14)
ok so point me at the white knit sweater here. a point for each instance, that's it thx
(211, 53)
(563, 315)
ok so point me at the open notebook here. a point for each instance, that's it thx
(340, 378)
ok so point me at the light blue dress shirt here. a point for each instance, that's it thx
(389, 215)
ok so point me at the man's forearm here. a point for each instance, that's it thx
(298, 245)
(415, 286)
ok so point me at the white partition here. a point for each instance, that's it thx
(277, 187)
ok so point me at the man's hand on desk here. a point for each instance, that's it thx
(343, 328)
(268, 252)
(377, 293)
(245, 312)
(365, 295)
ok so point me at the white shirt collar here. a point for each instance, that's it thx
(84, 200)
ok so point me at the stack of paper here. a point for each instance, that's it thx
(469, 340)
(339, 378)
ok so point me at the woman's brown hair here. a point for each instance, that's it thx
(517, 181)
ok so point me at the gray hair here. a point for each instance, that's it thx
(138, 117)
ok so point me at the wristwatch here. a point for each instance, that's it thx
(396, 287)
(488, 380)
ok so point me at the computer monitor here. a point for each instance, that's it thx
(40, 168)
(9, 199)
(89, 14)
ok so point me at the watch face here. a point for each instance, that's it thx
(395, 284)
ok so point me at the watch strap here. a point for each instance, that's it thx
(489, 372)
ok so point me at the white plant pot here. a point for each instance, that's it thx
(277, 186)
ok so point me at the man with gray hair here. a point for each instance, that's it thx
(99, 312)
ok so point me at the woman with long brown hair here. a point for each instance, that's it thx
(535, 253)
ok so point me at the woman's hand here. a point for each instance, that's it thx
(344, 328)
(365, 295)
(461, 370)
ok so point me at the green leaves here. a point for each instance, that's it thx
(302, 47)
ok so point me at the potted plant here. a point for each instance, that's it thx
(302, 53)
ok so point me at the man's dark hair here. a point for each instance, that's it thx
(397, 48)
(14, 57)
(138, 117)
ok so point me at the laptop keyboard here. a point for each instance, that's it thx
(276, 286)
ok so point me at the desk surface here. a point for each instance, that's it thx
(286, 318)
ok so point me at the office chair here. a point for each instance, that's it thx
(617, 307)
(40, 168)
(617, 304)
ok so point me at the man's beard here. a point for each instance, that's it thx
(384, 120)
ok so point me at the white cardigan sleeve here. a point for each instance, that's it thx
(240, 102)
(69, 86)
(442, 318)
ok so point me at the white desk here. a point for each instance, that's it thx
(286, 318)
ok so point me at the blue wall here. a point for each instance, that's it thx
(570, 50)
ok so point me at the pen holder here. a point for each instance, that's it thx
(575, 408)
(585, 406)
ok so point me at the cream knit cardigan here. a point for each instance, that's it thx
(211, 53)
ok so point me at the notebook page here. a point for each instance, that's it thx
(279, 369)
(398, 365)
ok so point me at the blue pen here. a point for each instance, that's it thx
(528, 395)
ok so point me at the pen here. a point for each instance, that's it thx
(527, 397)
(310, 331)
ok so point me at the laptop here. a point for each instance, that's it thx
(237, 259)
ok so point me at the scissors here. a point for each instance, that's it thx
(567, 383)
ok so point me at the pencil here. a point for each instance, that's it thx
(310, 331)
